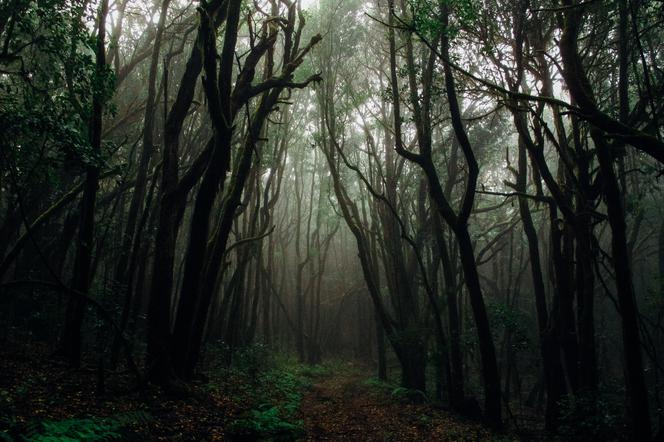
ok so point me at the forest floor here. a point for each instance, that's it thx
(346, 406)
(41, 399)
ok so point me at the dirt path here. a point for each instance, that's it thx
(343, 406)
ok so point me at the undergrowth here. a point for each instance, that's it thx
(113, 428)
(395, 391)
(596, 416)
(271, 387)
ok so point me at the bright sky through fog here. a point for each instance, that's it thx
(308, 4)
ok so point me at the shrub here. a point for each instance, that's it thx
(409, 395)
(591, 417)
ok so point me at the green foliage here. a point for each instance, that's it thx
(287, 388)
(46, 90)
(314, 371)
(408, 394)
(426, 17)
(271, 387)
(254, 358)
(512, 320)
(89, 429)
(379, 384)
(278, 393)
(71, 430)
(592, 417)
(7, 417)
(267, 423)
(244, 362)
(396, 391)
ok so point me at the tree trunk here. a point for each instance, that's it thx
(638, 410)
(82, 278)
(380, 349)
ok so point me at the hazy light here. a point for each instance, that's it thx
(309, 4)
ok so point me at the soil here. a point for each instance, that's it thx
(344, 407)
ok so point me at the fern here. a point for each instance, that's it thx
(93, 429)
(409, 394)
(266, 422)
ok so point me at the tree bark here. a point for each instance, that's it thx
(70, 345)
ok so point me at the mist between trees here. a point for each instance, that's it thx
(462, 195)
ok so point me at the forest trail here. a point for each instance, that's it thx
(344, 406)
(335, 402)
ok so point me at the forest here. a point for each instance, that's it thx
(380, 220)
